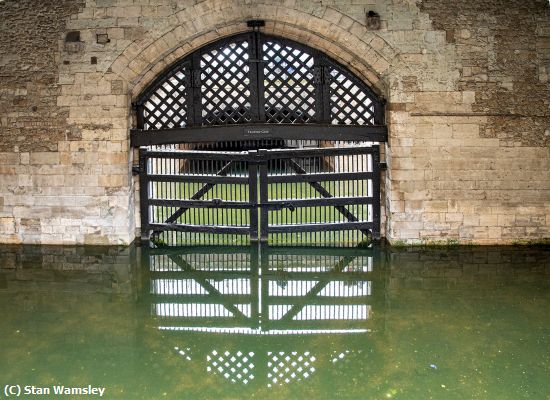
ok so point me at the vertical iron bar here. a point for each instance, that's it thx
(325, 88)
(322, 95)
(189, 95)
(256, 77)
(260, 66)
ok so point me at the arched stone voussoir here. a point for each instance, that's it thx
(344, 39)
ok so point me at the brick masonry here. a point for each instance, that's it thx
(466, 83)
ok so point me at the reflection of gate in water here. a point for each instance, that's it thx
(238, 296)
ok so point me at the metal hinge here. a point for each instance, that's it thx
(135, 170)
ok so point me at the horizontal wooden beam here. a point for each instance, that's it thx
(236, 230)
(198, 178)
(320, 177)
(226, 133)
(317, 202)
(321, 227)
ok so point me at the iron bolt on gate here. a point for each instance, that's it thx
(280, 196)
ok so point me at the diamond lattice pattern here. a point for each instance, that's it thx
(349, 103)
(289, 84)
(166, 107)
(225, 85)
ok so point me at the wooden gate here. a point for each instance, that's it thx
(314, 196)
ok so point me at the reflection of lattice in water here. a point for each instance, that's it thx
(237, 286)
(175, 238)
(235, 367)
(337, 356)
(326, 238)
(285, 367)
(333, 312)
(299, 288)
(197, 310)
(219, 262)
(344, 356)
(327, 312)
(184, 352)
(177, 287)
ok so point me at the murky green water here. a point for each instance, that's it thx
(229, 323)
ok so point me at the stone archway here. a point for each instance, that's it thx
(349, 42)
(259, 91)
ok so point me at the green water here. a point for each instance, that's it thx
(232, 323)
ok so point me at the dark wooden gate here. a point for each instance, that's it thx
(280, 196)
(208, 129)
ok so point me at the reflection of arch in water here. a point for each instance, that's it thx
(218, 304)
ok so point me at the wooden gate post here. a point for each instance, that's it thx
(253, 195)
(376, 192)
(143, 194)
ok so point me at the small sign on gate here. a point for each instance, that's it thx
(254, 132)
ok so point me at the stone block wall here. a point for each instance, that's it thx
(466, 84)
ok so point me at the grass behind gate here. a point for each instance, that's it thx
(276, 191)
(236, 217)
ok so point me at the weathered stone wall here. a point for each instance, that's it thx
(483, 143)
(30, 120)
(466, 83)
(64, 179)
